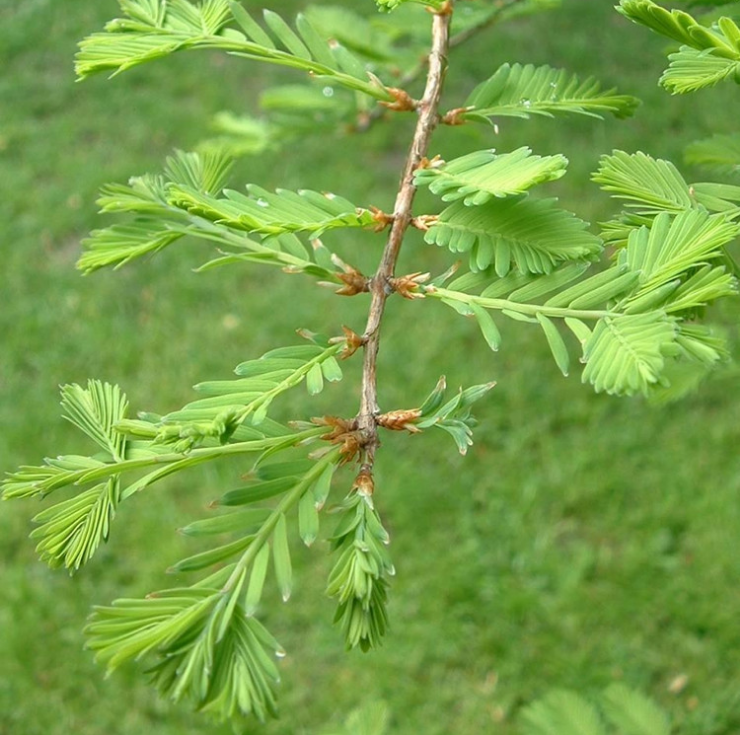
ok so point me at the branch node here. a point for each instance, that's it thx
(424, 221)
(455, 117)
(408, 286)
(444, 9)
(364, 483)
(345, 434)
(400, 420)
(354, 281)
(352, 341)
(435, 162)
(402, 101)
(381, 218)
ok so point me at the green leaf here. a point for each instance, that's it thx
(626, 354)
(71, 532)
(281, 558)
(209, 558)
(707, 56)
(481, 176)
(675, 246)
(269, 213)
(534, 235)
(308, 519)
(522, 91)
(181, 25)
(597, 289)
(96, 410)
(229, 523)
(542, 285)
(557, 345)
(706, 285)
(205, 172)
(226, 676)
(322, 488)
(230, 403)
(315, 380)
(691, 70)
(649, 185)
(718, 197)
(257, 580)
(256, 492)
(331, 370)
(487, 326)
(285, 34)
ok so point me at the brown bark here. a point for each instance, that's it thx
(380, 284)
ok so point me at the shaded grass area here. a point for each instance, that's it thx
(583, 540)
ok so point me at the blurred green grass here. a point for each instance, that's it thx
(583, 540)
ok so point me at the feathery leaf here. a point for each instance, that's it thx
(149, 32)
(626, 354)
(481, 176)
(534, 235)
(521, 91)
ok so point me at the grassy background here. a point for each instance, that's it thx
(584, 540)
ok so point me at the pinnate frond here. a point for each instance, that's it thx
(691, 70)
(227, 404)
(479, 177)
(184, 202)
(674, 247)
(96, 410)
(533, 235)
(206, 649)
(359, 580)
(708, 55)
(522, 91)
(453, 415)
(626, 354)
(270, 213)
(151, 30)
(649, 185)
(70, 532)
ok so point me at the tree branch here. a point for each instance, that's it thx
(380, 285)
(485, 23)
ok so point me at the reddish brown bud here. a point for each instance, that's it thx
(424, 221)
(400, 420)
(402, 100)
(344, 434)
(435, 162)
(364, 483)
(353, 342)
(455, 117)
(354, 282)
(382, 219)
(408, 286)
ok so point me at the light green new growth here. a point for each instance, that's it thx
(708, 54)
(634, 322)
